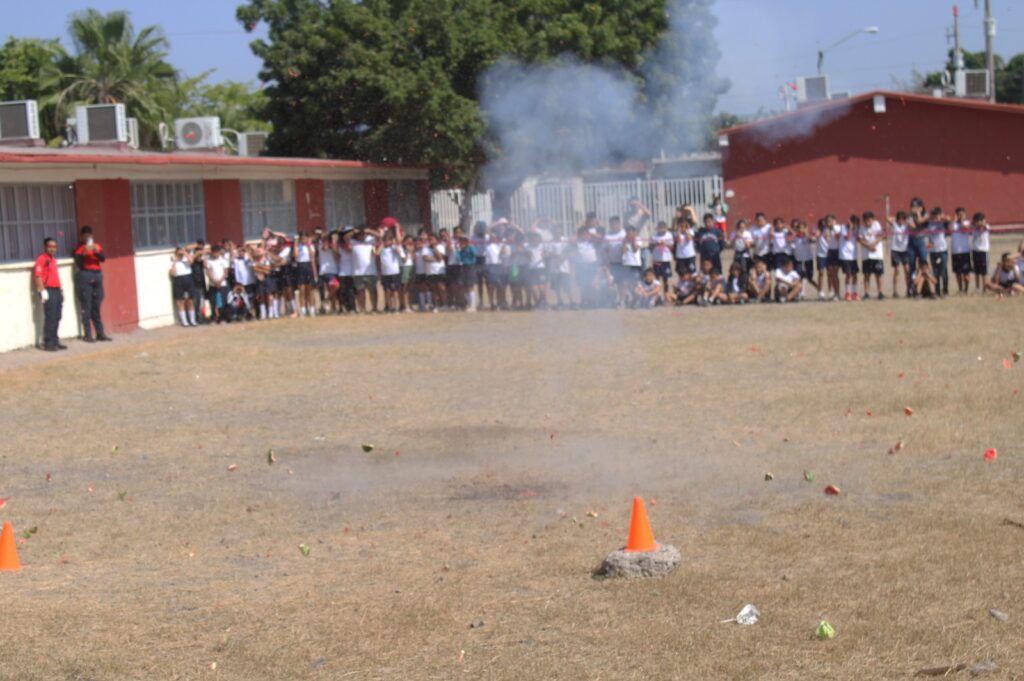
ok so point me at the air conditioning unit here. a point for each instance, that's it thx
(972, 83)
(19, 120)
(840, 95)
(133, 133)
(197, 133)
(812, 89)
(101, 124)
(252, 143)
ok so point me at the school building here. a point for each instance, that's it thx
(141, 204)
(875, 152)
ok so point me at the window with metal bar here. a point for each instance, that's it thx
(167, 214)
(31, 212)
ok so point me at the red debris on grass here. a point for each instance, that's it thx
(991, 454)
(908, 411)
(832, 490)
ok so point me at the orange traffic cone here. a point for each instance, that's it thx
(640, 536)
(8, 552)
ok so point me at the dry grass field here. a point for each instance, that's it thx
(497, 439)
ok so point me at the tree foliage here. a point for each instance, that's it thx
(400, 80)
(1009, 75)
(238, 105)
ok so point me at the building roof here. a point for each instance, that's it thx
(815, 109)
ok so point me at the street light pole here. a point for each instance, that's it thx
(990, 60)
(821, 52)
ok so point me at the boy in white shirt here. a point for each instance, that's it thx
(391, 255)
(871, 237)
(217, 277)
(803, 256)
(960, 247)
(364, 268)
(647, 292)
(787, 282)
(661, 253)
(900, 254)
(979, 250)
(938, 229)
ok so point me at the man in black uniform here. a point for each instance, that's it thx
(89, 257)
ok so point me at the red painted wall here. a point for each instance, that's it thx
(222, 200)
(948, 155)
(309, 205)
(375, 198)
(106, 205)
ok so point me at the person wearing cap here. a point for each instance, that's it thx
(46, 276)
(89, 259)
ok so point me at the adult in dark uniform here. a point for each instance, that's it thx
(89, 258)
(47, 280)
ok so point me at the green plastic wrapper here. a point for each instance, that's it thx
(305, 549)
(825, 632)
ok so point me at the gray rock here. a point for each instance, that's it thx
(624, 563)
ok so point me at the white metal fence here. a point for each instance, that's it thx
(562, 206)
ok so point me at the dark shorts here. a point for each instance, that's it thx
(832, 259)
(559, 281)
(535, 276)
(420, 279)
(497, 274)
(979, 262)
(391, 282)
(288, 276)
(304, 274)
(962, 263)
(218, 297)
(848, 266)
(183, 287)
(898, 258)
(453, 275)
(362, 283)
(684, 265)
(872, 266)
(662, 270)
(805, 268)
(435, 279)
(822, 261)
(470, 275)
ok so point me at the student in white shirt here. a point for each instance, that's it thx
(820, 234)
(803, 256)
(559, 272)
(434, 257)
(871, 238)
(632, 259)
(306, 274)
(848, 257)
(742, 242)
(327, 259)
(613, 240)
(762, 233)
(938, 229)
(585, 263)
(686, 250)
(960, 250)
(183, 287)
(900, 254)
(536, 271)
(979, 250)
(217, 277)
(391, 255)
(661, 245)
(648, 291)
(779, 245)
(787, 282)
(496, 255)
(364, 268)
(1006, 280)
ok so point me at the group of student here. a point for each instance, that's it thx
(365, 269)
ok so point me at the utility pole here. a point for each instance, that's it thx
(958, 55)
(990, 59)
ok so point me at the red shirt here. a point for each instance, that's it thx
(88, 260)
(46, 269)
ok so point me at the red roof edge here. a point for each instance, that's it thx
(900, 96)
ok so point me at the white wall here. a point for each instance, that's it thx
(23, 313)
(153, 287)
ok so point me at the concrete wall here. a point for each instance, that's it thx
(846, 159)
(156, 307)
(23, 314)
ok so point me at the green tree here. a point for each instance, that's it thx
(400, 80)
(22, 61)
(114, 64)
(239, 105)
(1009, 75)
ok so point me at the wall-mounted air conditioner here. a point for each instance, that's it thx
(101, 124)
(252, 143)
(19, 120)
(972, 83)
(197, 133)
(839, 95)
(133, 133)
(812, 89)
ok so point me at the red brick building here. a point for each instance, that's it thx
(849, 156)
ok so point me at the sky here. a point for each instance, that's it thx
(764, 43)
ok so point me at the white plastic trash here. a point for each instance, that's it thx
(748, 615)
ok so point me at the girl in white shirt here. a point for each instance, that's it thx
(979, 250)
(327, 258)
(848, 257)
(183, 287)
(306, 274)
(899, 249)
(742, 242)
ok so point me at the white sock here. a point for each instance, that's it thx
(192, 316)
(472, 300)
(312, 310)
(182, 317)
(263, 310)
(274, 307)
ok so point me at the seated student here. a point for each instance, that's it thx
(685, 292)
(787, 282)
(924, 279)
(710, 285)
(647, 292)
(239, 306)
(736, 285)
(760, 283)
(1006, 280)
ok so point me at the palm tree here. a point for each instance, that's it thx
(114, 64)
